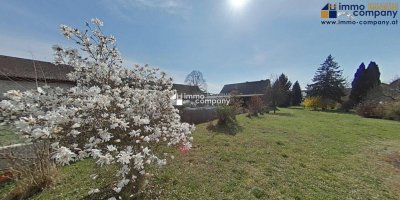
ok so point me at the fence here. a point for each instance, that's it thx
(198, 115)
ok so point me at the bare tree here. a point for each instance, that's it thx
(195, 78)
(393, 90)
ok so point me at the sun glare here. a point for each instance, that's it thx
(237, 4)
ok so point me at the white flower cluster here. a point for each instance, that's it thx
(113, 114)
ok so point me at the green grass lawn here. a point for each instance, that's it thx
(294, 154)
(8, 137)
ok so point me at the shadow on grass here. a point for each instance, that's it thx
(327, 110)
(231, 129)
(282, 114)
(393, 159)
(296, 108)
(258, 116)
(337, 111)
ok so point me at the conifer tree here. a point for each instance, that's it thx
(364, 80)
(297, 96)
(284, 89)
(328, 82)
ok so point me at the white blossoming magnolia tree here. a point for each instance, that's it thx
(113, 114)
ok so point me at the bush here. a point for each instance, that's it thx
(385, 110)
(227, 120)
(33, 179)
(31, 176)
(369, 109)
(313, 102)
(366, 109)
(392, 110)
(347, 105)
(316, 102)
(256, 106)
(236, 102)
(328, 104)
(114, 114)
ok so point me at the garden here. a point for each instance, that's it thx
(116, 135)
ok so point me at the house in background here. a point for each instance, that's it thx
(186, 89)
(24, 74)
(246, 90)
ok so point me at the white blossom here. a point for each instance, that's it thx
(146, 151)
(92, 191)
(63, 156)
(111, 148)
(114, 114)
(106, 159)
(76, 125)
(93, 176)
(40, 133)
(97, 22)
(105, 135)
(124, 157)
(74, 133)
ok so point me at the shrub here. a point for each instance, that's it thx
(347, 105)
(386, 110)
(392, 110)
(31, 176)
(328, 104)
(369, 109)
(236, 102)
(227, 119)
(313, 102)
(256, 106)
(114, 114)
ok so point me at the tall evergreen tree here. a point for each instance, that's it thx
(274, 95)
(297, 96)
(284, 87)
(373, 75)
(358, 85)
(328, 82)
(364, 80)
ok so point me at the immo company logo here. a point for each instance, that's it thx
(200, 99)
(329, 11)
(177, 100)
(366, 13)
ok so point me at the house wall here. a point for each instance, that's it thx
(6, 85)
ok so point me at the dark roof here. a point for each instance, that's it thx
(395, 83)
(247, 88)
(24, 69)
(186, 89)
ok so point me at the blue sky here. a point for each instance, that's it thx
(257, 41)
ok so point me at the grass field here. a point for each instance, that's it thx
(294, 154)
(8, 137)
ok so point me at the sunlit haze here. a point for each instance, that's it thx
(238, 4)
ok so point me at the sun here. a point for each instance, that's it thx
(237, 4)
